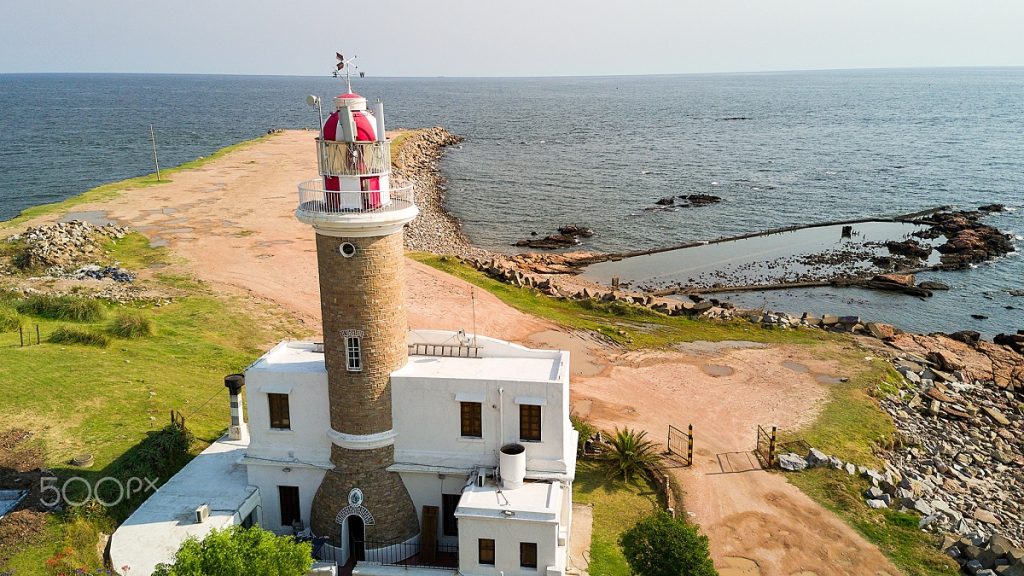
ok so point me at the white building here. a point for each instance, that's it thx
(392, 448)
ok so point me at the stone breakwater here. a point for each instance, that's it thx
(416, 160)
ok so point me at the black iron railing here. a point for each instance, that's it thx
(441, 556)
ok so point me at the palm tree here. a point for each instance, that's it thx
(630, 453)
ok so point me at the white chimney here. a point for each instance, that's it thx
(234, 384)
(512, 461)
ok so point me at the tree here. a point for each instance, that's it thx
(630, 453)
(238, 551)
(660, 545)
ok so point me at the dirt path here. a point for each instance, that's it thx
(232, 223)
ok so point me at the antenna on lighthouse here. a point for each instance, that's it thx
(346, 65)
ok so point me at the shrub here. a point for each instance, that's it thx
(630, 453)
(586, 430)
(71, 335)
(73, 308)
(9, 320)
(660, 545)
(238, 551)
(129, 324)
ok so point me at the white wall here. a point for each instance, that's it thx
(309, 411)
(426, 490)
(268, 478)
(507, 534)
(428, 422)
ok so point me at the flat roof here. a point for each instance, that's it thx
(498, 360)
(534, 501)
(155, 531)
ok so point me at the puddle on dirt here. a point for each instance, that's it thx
(717, 370)
(829, 380)
(94, 217)
(737, 566)
(796, 366)
(581, 360)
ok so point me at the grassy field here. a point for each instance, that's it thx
(631, 325)
(112, 190)
(105, 400)
(617, 507)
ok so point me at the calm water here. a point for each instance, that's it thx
(781, 149)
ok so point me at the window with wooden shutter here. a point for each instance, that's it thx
(486, 551)
(472, 423)
(529, 423)
(528, 554)
(280, 418)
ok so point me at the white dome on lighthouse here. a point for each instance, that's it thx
(351, 100)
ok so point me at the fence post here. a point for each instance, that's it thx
(21, 335)
(771, 449)
(37, 333)
(689, 446)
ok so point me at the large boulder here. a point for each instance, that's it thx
(792, 462)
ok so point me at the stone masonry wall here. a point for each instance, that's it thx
(365, 292)
(385, 496)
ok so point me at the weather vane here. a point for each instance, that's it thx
(347, 66)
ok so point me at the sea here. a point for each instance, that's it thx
(780, 149)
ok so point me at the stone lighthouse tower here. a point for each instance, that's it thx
(358, 214)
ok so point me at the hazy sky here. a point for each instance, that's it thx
(489, 38)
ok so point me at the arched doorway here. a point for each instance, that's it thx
(356, 538)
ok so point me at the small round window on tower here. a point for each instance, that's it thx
(347, 249)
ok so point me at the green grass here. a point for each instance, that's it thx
(131, 324)
(114, 189)
(851, 425)
(72, 335)
(70, 308)
(895, 533)
(631, 325)
(617, 507)
(134, 252)
(9, 319)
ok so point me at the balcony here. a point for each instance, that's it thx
(353, 158)
(369, 212)
(441, 556)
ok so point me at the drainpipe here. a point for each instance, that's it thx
(234, 384)
(501, 429)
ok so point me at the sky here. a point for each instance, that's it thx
(502, 38)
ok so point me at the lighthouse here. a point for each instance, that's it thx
(358, 214)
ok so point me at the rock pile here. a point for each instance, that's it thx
(115, 273)
(434, 229)
(688, 201)
(568, 235)
(995, 556)
(62, 245)
(967, 239)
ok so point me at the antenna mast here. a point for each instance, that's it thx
(472, 297)
(346, 65)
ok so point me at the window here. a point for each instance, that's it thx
(450, 524)
(279, 416)
(472, 425)
(289, 497)
(486, 551)
(529, 423)
(353, 354)
(528, 554)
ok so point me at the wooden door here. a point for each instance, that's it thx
(428, 535)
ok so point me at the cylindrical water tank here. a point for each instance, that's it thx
(512, 460)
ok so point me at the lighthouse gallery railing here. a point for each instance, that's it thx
(315, 199)
(353, 158)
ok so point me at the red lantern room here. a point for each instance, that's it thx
(355, 160)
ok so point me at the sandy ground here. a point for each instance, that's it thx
(232, 222)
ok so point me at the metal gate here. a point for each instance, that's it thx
(680, 445)
(765, 448)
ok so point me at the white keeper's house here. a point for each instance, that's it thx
(394, 449)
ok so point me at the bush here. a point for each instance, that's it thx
(9, 320)
(73, 308)
(131, 325)
(660, 545)
(70, 335)
(586, 430)
(238, 551)
(630, 453)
